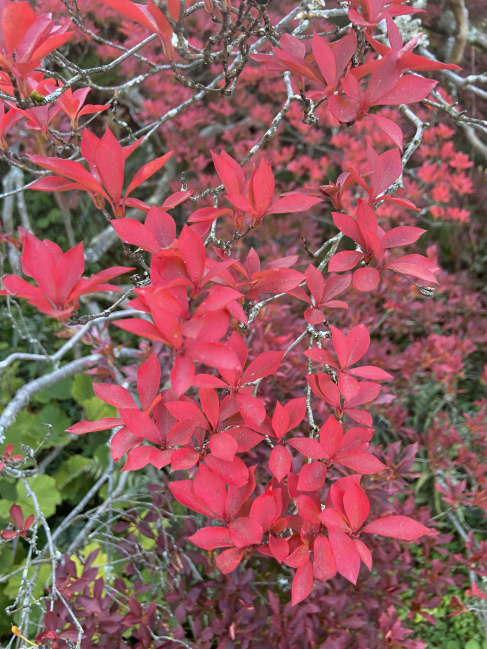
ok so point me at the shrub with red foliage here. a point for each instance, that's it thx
(263, 472)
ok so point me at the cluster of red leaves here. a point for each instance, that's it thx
(190, 314)
(230, 604)
(191, 300)
(347, 100)
(59, 280)
(18, 519)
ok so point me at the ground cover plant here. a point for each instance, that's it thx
(243, 313)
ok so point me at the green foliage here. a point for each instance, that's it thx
(72, 469)
(29, 428)
(82, 391)
(451, 632)
(46, 491)
(59, 392)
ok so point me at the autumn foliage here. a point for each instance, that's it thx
(259, 369)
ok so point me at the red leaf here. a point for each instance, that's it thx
(280, 421)
(187, 410)
(147, 171)
(360, 416)
(349, 227)
(296, 409)
(232, 473)
(138, 458)
(279, 548)
(265, 509)
(230, 172)
(409, 89)
(142, 328)
(211, 538)
(183, 491)
(160, 459)
(368, 391)
(240, 203)
(397, 527)
(413, 268)
(223, 446)
(324, 58)
(184, 458)
(340, 345)
(265, 364)
(366, 279)
(139, 423)
(246, 439)
(294, 203)
(7, 535)
(115, 395)
(92, 426)
(17, 516)
(161, 225)
(356, 505)
(17, 18)
(238, 495)
(346, 555)
(364, 553)
(308, 509)
(228, 560)
(341, 109)
(324, 566)
(245, 531)
(135, 233)
(401, 236)
(333, 520)
(211, 405)
(278, 280)
(280, 462)
(148, 381)
(262, 187)
(364, 463)
(123, 441)
(308, 447)
(110, 162)
(321, 356)
(370, 372)
(252, 410)
(182, 375)
(324, 388)
(299, 557)
(193, 250)
(69, 268)
(214, 355)
(314, 316)
(358, 341)
(210, 489)
(390, 128)
(312, 476)
(181, 433)
(302, 584)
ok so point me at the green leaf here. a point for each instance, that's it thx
(59, 391)
(82, 388)
(8, 489)
(28, 428)
(47, 494)
(71, 469)
(13, 584)
(472, 644)
(97, 409)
